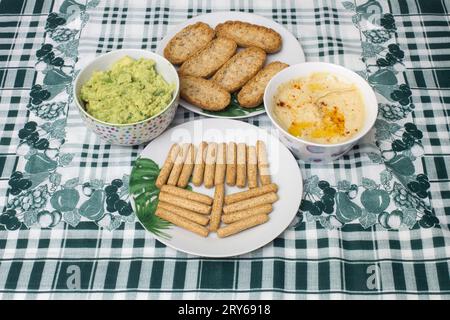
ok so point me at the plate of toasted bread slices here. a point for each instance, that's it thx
(226, 59)
(216, 187)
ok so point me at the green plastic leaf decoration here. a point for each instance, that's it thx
(235, 109)
(309, 217)
(145, 193)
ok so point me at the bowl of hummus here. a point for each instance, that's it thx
(321, 110)
(127, 97)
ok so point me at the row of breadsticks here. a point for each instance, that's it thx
(214, 164)
(193, 211)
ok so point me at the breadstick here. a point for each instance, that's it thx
(178, 165)
(243, 195)
(211, 155)
(252, 167)
(187, 194)
(185, 203)
(216, 210)
(182, 222)
(241, 174)
(231, 164)
(191, 215)
(188, 166)
(263, 164)
(242, 225)
(199, 167)
(167, 166)
(239, 215)
(250, 203)
(220, 164)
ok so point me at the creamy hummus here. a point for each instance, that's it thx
(129, 92)
(320, 108)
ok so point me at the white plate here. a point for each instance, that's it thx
(284, 171)
(291, 52)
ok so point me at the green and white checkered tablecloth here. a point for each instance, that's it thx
(387, 236)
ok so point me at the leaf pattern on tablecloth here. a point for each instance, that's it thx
(37, 195)
(398, 141)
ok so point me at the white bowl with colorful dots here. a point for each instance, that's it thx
(133, 133)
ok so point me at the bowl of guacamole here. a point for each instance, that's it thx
(128, 96)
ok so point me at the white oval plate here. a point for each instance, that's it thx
(284, 171)
(291, 52)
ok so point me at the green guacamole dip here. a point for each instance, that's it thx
(129, 92)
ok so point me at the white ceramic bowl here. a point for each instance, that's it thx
(133, 133)
(317, 152)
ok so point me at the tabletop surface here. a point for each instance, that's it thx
(393, 187)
